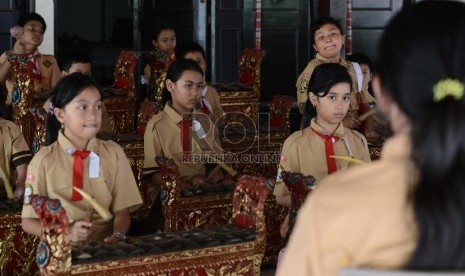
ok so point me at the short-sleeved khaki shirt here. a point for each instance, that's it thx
(14, 150)
(49, 72)
(304, 152)
(163, 138)
(362, 217)
(304, 78)
(50, 173)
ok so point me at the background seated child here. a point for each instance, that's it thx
(74, 157)
(209, 102)
(31, 28)
(164, 43)
(307, 151)
(366, 102)
(74, 61)
(80, 61)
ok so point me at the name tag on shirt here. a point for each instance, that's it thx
(94, 165)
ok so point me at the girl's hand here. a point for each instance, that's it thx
(80, 231)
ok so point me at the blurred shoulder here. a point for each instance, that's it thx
(111, 147)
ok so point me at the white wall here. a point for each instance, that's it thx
(45, 8)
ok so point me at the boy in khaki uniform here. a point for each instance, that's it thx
(165, 136)
(209, 102)
(29, 34)
(15, 153)
(306, 151)
(180, 132)
(162, 138)
(327, 40)
(74, 157)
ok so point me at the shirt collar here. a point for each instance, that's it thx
(68, 146)
(342, 61)
(204, 91)
(338, 133)
(174, 115)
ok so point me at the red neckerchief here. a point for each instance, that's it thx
(185, 124)
(329, 150)
(78, 168)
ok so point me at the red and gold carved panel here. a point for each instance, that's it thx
(121, 107)
(235, 259)
(121, 110)
(17, 249)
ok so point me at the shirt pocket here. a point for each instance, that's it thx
(101, 191)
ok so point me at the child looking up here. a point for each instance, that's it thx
(308, 151)
(75, 158)
(209, 102)
(327, 39)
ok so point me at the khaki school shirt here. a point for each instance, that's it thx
(14, 150)
(49, 71)
(362, 217)
(50, 173)
(304, 152)
(304, 78)
(163, 138)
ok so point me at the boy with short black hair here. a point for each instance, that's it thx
(209, 102)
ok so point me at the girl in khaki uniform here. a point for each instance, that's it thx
(29, 34)
(306, 151)
(75, 158)
(406, 210)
